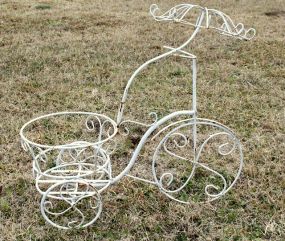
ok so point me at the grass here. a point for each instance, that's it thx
(42, 6)
(77, 55)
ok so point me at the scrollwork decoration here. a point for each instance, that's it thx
(166, 178)
(125, 131)
(75, 204)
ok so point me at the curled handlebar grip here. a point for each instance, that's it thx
(214, 19)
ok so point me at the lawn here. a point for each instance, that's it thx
(78, 55)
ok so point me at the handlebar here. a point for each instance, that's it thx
(214, 19)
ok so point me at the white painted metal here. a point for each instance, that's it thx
(79, 171)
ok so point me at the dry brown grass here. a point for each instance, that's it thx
(77, 55)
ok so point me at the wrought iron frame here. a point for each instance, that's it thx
(83, 170)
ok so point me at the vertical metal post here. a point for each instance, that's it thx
(194, 104)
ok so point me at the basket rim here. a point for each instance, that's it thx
(71, 145)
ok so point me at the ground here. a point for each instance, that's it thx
(78, 55)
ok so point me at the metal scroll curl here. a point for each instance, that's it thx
(188, 170)
(124, 126)
(89, 163)
(71, 204)
(214, 19)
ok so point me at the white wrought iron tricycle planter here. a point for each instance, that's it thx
(71, 176)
